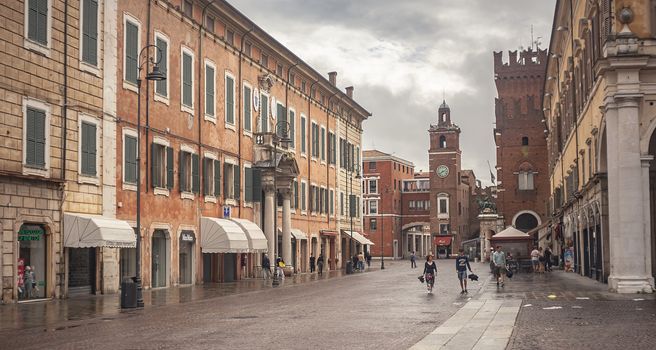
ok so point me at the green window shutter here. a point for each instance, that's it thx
(217, 178)
(90, 32)
(209, 90)
(303, 201)
(323, 144)
(160, 85)
(169, 168)
(230, 100)
(292, 128)
(247, 108)
(352, 206)
(257, 185)
(303, 132)
(30, 133)
(195, 173)
(280, 112)
(295, 194)
(237, 182)
(38, 21)
(264, 114)
(130, 161)
(186, 80)
(155, 166)
(131, 51)
(40, 128)
(88, 156)
(331, 202)
(182, 171)
(226, 185)
(248, 184)
(32, 18)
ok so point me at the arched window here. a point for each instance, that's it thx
(526, 222)
(442, 141)
(525, 177)
(443, 118)
(525, 141)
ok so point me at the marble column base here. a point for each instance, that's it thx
(631, 284)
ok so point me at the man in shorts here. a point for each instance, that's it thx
(462, 265)
(535, 254)
(499, 260)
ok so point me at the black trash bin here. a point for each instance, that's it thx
(128, 293)
(349, 267)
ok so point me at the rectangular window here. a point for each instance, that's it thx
(230, 99)
(279, 69)
(90, 32)
(247, 109)
(443, 205)
(131, 48)
(88, 149)
(303, 196)
(230, 37)
(373, 186)
(373, 207)
(342, 153)
(372, 165)
(303, 135)
(323, 143)
(281, 113)
(295, 189)
(263, 125)
(248, 48)
(187, 79)
(264, 61)
(209, 24)
(292, 128)
(332, 144)
(331, 200)
(341, 203)
(189, 172)
(130, 159)
(315, 140)
(373, 224)
(303, 86)
(444, 229)
(188, 8)
(231, 181)
(35, 135)
(162, 86)
(161, 166)
(526, 181)
(37, 27)
(210, 78)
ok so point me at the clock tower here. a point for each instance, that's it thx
(444, 159)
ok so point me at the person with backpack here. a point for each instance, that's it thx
(462, 264)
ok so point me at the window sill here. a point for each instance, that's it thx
(230, 126)
(209, 119)
(129, 187)
(187, 195)
(87, 179)
(231, 201)
(187, 109)
(89, 68)
(314, 159)
(163, 99)
(248, 134)
(36, 47)
(248, 205)
(210, 199)
(303, 155)
(130, 86)
(303, 212)
(43, 172)
(160, 191)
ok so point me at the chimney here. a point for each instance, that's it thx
(349, 92)
(332, 76)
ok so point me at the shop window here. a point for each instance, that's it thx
(32, 246)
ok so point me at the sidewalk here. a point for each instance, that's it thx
(55, 312)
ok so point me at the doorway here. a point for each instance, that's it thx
(229, 267)
(81, 271)
(32, 257)
(186, 257)
(160, 253)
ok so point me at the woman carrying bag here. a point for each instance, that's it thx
(429, 272)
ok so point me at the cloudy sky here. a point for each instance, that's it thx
(402, 55)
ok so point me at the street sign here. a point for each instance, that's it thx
(226, 211)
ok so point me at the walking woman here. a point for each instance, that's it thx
(429, 272)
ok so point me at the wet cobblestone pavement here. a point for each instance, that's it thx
(386, 309)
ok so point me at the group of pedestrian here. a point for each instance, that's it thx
(430, 270)
(541, 259)
(319, 264)
(360, 259)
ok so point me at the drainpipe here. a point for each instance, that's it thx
(241, 110)
(308, 152)
(328, 158)
(147, 92)
(64, 109)
(200, 114)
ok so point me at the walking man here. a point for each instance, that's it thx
(547, 259)
(462, 265)
(499, 259)
(535, 259)
(312, 260)
(320, 264)
(266, 267)
(413, 260)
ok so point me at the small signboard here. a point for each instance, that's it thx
(187, 237)
(226, 211)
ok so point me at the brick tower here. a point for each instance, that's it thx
(522, 163)
(445, 166)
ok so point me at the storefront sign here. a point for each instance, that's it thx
(226, 211)
(187, 237)
(30, 235)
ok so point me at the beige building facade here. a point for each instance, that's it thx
(599, 121)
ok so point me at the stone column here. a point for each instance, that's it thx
(269, 212)
(628, 270)
(646, 209)
(421, 244)
(414, 243)
(286, 227)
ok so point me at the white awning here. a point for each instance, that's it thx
(90, 231)
(358, 237)
(296, 233)
(222, 236)
(257, 242)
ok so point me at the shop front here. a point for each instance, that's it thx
(160, 253)
(443, 244)
(221, 241)
(32, 258)
(299, 239)
(328, 240)
(257, 245)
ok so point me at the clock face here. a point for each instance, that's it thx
(442, 171)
